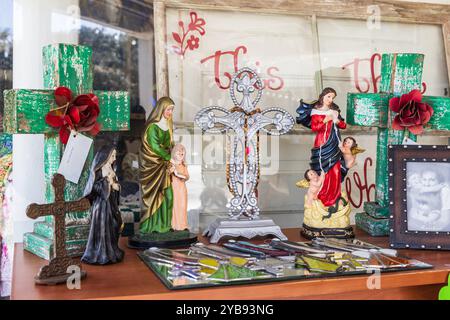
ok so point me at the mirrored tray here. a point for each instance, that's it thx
(289, 271)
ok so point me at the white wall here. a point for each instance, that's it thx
(146, 81)
(36, 24)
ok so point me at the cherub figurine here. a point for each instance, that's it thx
(314, 183)
(430, 201)
(103, 191)
(350, 149)
(180, 175)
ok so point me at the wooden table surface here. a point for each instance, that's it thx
(132, 279)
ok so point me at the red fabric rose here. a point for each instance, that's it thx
(412, 113)
(80, 115)
(84, 113)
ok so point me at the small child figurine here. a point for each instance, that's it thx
(349, 150)
(180, 175)
(314, 183)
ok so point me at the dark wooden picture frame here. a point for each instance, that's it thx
(399, 156)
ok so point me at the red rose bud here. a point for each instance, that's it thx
(412, 113)
(63, 96)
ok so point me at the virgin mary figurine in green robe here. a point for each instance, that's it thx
(154, 167)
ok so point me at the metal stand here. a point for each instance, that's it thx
(242, 228)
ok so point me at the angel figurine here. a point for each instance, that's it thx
(103, 191)
(350, 149)
(180, 175)
(314, 183)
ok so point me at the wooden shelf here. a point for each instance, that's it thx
(300, 130)
(131, 279)
(137, 116)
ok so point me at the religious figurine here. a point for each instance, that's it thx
(314, 183)
(155, 175)
(328, 212)
(103, 192)
(155, 155)
(180, 175)
(350, 149)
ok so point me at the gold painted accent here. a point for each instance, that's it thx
(314, 214)
(356, 150)
(303, 184)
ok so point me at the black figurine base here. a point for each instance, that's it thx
(171, 239)
(339, 233)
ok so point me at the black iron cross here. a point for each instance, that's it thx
(56, 270)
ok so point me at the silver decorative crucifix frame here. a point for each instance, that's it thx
(242, 125)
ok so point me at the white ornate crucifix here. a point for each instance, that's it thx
(242, 124)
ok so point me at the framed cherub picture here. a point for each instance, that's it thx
(419, 196)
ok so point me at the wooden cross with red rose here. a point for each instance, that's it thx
(68, 102)
(399, 111)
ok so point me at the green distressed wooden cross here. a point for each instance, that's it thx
(400, 73)
(25, 110)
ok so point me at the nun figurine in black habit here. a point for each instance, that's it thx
(103, 191)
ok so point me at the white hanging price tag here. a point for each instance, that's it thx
(408, 141)
(74, 157)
